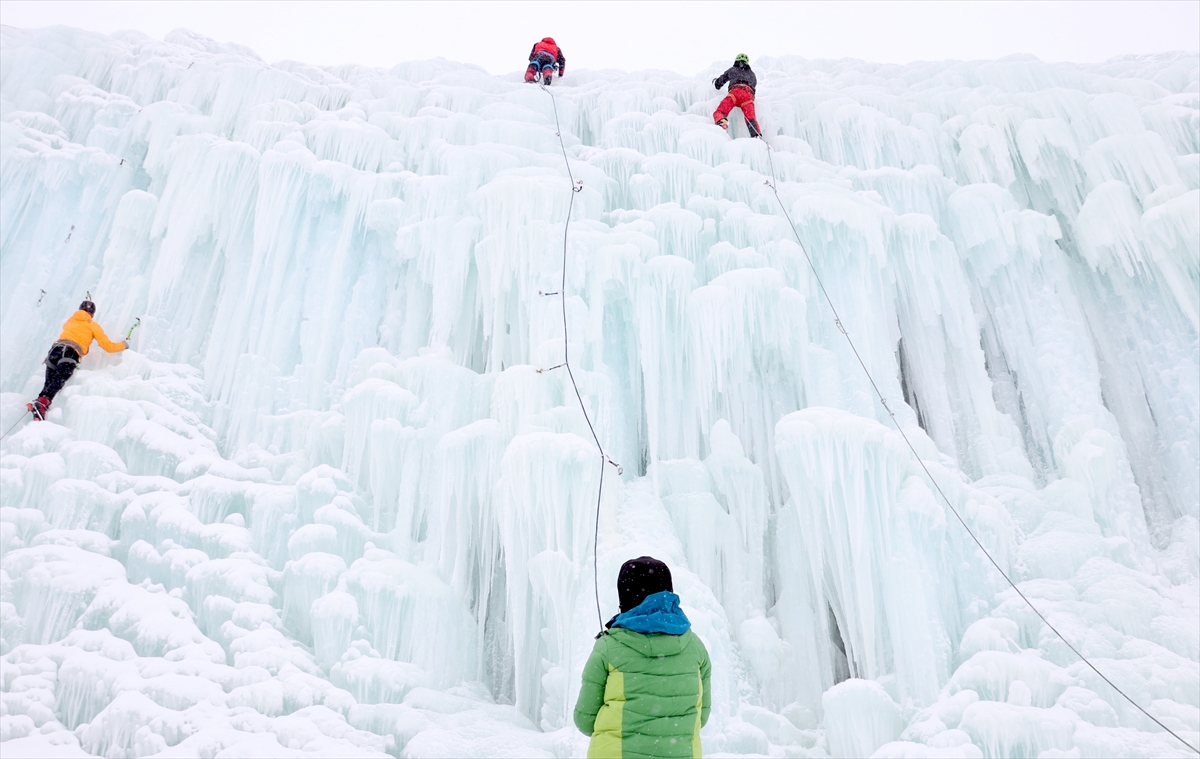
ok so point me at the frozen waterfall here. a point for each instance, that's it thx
(329, 506)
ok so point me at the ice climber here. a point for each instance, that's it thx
(543, 59)
(741, 94)
(645, 689)
(72, 345)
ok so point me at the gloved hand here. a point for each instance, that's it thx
(126, 344)
(715, 85)
(562, 71)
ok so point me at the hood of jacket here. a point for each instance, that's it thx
(658, 615)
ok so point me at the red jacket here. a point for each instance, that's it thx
(548, 46)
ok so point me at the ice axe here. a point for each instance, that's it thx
(136, 323)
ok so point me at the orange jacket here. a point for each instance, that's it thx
(81, 330)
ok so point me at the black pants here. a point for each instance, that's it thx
(60, 365)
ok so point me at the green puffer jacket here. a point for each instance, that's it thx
(644, 696)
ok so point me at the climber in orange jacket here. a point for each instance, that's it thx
(72, 345)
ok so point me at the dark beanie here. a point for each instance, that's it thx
(639, 578)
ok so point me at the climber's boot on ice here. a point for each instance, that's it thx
(752, 125)
(38, 408)
(724, 124)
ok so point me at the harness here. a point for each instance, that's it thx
(62, 346)
(543, 59)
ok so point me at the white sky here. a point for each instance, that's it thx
(685, 37)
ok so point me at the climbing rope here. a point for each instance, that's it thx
(20, 419)
(576, 187)
(837, 320)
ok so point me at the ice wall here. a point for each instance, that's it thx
(329, 503)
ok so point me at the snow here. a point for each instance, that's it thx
(328, 505)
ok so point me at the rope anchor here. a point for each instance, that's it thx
(888, 408)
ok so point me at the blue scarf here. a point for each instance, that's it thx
(658, 613)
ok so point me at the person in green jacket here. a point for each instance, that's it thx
(645, 690)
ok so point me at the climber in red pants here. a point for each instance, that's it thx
(543, 59)
(741, 94)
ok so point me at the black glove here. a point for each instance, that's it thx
(562, 71)
(715, 85)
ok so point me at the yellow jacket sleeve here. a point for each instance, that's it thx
(104, 342)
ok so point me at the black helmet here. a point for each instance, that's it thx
(88, 306)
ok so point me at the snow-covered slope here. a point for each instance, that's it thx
(329, 505)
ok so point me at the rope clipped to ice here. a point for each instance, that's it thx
(576, 187)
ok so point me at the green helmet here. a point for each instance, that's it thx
(743, 58)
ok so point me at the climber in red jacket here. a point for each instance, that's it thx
(543, 59)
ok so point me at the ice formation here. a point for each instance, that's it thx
(328, 505)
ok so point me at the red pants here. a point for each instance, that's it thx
(740, 97)
(531, 73)
(545, 64)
